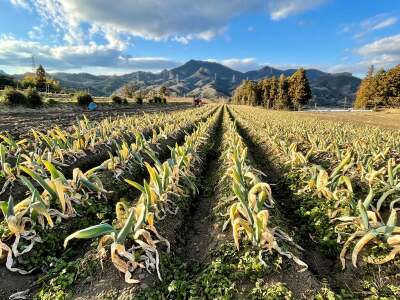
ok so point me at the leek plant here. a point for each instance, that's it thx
(332, 159)
(249, 214)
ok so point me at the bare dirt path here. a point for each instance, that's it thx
(200, 231)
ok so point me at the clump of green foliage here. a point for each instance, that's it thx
(139, 100)
(65, 268)
(58, 281)
(13, 97)
(275, 291)
(158, 100)
(51, 102)
(83, 98)
(217, 279)
(117, 99)
(312, 218)
(33, 98)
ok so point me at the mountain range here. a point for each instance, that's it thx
(213, 80)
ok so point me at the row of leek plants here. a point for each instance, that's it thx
(251, 203)
(133, 238)
(33, 161)
(357, 194)
(61, 195)
(63, 147)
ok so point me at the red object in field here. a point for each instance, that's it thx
(197, 102)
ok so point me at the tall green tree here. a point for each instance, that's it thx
(163, 91)
(264, 87)
(299, 89)
(379, 89)
(365, 90)
(273, 91)
(40, 77)
(283, 100)
(393, 86)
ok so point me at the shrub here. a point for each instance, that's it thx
(125, 101)
(13, 97)
(157, 99)
(51, 101)
(117, 99)
(164, 100)
(151, 100)
(139, 100)
(83, 98)
(33, 99)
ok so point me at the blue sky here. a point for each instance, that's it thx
(102, 37)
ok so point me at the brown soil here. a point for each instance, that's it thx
(19, 123)
(201, 232)
(13, 282)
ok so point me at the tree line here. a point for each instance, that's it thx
(38, 80)
(380, 88)
(275, 93)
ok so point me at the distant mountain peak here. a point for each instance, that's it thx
(212, 79)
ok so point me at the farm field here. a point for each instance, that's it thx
(19, 121)
(388, 118)
(214, 202)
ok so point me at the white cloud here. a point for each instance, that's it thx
(242, 64)
(281, 9)
(375, 23)
(78, 24)
(383, 53)
(387, 45)
(385, 23)
(14, 52)
(36, 33)
(21, 3)
(179, 20)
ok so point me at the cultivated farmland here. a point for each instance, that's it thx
(214, 202)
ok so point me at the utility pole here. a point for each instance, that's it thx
(345, 102)
(33, 64)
